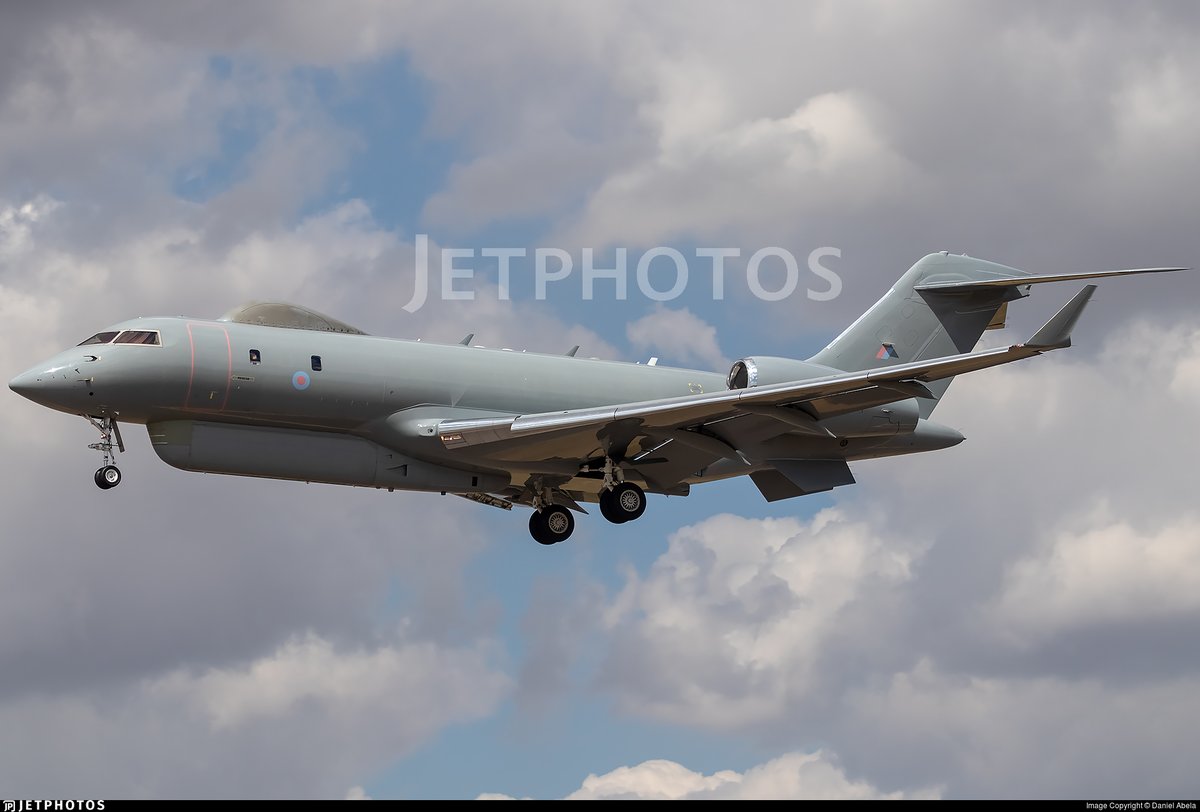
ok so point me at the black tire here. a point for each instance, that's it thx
(551, 525)
(537, 529)
(107, 477)
(624, 503)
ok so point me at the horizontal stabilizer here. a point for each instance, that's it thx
(1033, 279)
(1056, 333)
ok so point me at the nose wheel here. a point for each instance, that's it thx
(108, 475)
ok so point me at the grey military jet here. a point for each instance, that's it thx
(279, 391)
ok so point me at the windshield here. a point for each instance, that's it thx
(138, 337)
(98, 338)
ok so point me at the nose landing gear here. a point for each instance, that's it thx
(108, 475)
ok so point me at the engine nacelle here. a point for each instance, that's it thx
(884, 420)
(765, 369)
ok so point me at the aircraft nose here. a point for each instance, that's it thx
(50, 385)
(25, 384)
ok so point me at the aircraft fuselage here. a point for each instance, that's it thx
(255, 400)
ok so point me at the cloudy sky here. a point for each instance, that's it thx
(1016, 616)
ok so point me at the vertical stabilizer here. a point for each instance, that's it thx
(916, 325)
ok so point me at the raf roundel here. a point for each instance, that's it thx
(301, 380)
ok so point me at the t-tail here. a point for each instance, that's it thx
(940, 307)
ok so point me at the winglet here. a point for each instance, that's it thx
(1056, 333)
(467, 339)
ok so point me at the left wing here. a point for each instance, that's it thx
(574, 433)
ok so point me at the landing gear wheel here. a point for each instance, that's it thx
(551, 524)
(108, 477)
(624, 503)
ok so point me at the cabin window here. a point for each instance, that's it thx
(316, 363)
(255, 357)
(148, 337)
(98, 338)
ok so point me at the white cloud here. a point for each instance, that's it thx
(793, 776)
(739, 174)
(1108, 572)
(656, 780)
(419, 682)
(812, 124)
(729, 626)
(678, 336)
(17, 222)
(338, 260)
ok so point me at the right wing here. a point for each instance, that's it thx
(574, 434)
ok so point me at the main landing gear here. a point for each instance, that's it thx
(108, 475)
(551, 525)
(620, 502)
(624, 503)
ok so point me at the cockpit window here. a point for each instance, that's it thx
(139, 337)
(98, 338)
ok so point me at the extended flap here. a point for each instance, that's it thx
(800, 477)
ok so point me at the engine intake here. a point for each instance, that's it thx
(765, 369)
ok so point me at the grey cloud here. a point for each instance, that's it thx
(1039, 607)
(1046, 137)
(305, 718)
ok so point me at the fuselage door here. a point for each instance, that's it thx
(212, 359)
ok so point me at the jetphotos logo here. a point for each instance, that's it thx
(48, 806)
(660, 274)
